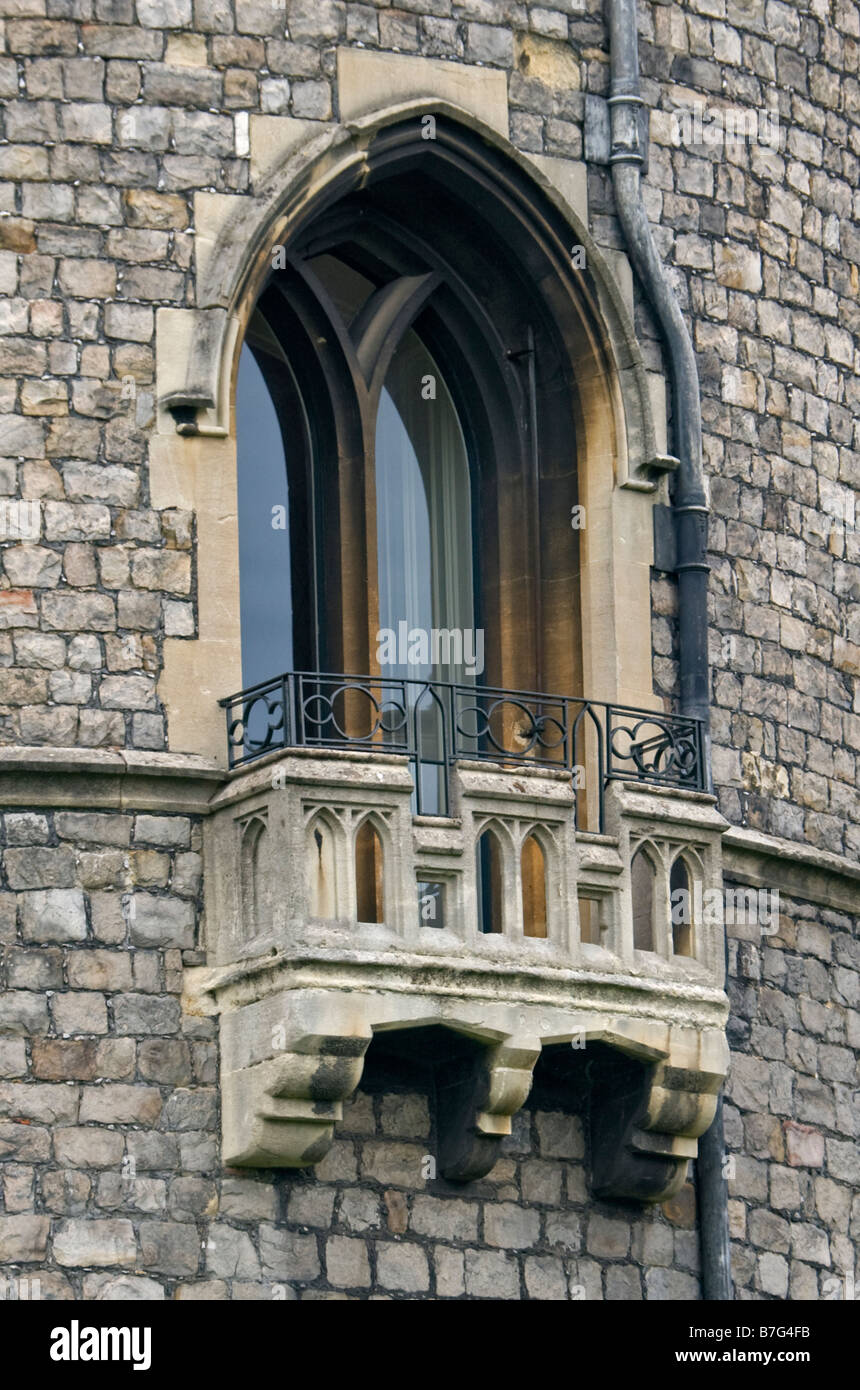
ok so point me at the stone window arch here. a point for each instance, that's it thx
(538, 357)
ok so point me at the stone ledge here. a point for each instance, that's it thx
(798, 869)
(503, 986)
(109, 779)
(312, 766)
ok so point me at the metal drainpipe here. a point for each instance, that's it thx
(690, 509)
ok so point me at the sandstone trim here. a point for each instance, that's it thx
(804, 872)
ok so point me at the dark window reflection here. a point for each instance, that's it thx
(264, 537)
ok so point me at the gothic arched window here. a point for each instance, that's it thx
(405, 417)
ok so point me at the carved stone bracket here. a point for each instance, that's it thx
(646, 1118)
(294, 1048)
(282, 1113)
(289, 1063)
(280, 1110)
(475, 1102)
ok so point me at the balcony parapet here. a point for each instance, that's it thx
(436, 724)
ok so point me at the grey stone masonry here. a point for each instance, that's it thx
(792, 1121)
(112, 117)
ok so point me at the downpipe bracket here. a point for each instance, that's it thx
(598, 137)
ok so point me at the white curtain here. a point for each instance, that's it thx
(423, 506)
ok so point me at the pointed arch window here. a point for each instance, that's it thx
(643, 878)
(408, 400)
(490, 881)
(533, 873)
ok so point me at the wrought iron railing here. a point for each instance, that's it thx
(435, 724)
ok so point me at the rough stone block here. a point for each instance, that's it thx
(23, 1239)
(169, 1247)
(287, 1256)
(347, 1264)
(491, 1274)
(93, 1242)
(402, 1266)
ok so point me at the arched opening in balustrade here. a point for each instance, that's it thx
(643, 884)
(681, 902)
(534, 894)
(489, 868)
(255, 901)
(321, 859)
(369, 873)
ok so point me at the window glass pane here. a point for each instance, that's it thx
(424, 550)
(424, 532)
(264, 539)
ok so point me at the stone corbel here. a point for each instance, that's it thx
(476, 1098)
(291, 1058)
(281, 1113)
(195, 348)
(646, 1118)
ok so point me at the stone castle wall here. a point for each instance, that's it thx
(114, 114)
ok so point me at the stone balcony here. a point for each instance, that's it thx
(571, 943)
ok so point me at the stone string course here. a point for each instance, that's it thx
(113, 115)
